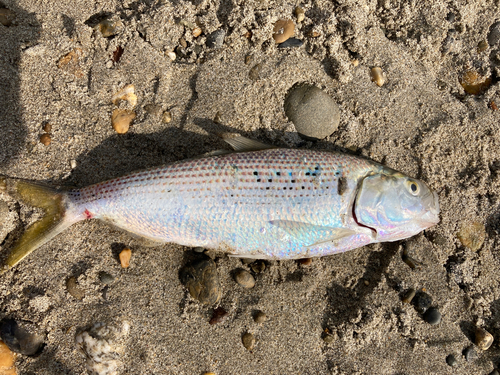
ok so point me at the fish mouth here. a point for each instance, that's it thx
(354, 217)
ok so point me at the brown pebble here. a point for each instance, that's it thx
(7, 359)
(314, 34)
(474, 83)
(283, 30)
(167, 117)
(245, 279)
(306, 261)
(493, 106)
(248, 341)
(472, 235)
(7, 16)
(71, 62)
(254, 73)
(125, 256)
(218, 118)
(482, 46)
(196, 32)
(121, 120)
(248, 34)
(183, 42)
(300, 14)
(73, 288)
(260, 317)
(408, 297)
(248, 59)
(484, 339)
(127, 93)
(45, 139)
(218, 316)
(47, 127)
(378, 76)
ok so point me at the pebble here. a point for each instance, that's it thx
(244, 278)
(196, 32)
(125, 256)
(258, 266)
(73, 289)
(422, 302)
(21, 338)
(408, 297)
(45, 139)
(216, 39)
(377, 76)
(248, 341)
(71, 62)
(451, 360)
(7, 359)
(313, 112)
(128, 94)
(472, 235)
(484, 339)
(260, 317)
(218, 316)
(167, 117)
(121, 120)
(202, 281)
(109, 27)
(217, 118)
(470, 354)
(306, 261)
(106, 278)
(482, 46)
(153, 109)
(73, 163)
(172, 55)
(283, 29)
(474, 83)
(249, 59)
(290, 43)
(328, 338)
(47, 127)
(494, 34)
(183, 43)
(300, 14)
(255, 72)
(432, 316)
(7, 16)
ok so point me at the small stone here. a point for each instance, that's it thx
(45, 139)
(71, 63)
(493, 106)
(121, 120)
(450, 17)
(314, 34)
(216, 39)
(408, 297)
(432, 316)
(482, 46)
(218, 118)
(47, 127)
(422, 302)
(366, 282)
(196, 32)
(470, 354)
(244, 278)
(451, 360)
(260, 317)
(300, 14)
(153, 109)
(125, 256)
(249, 59)
(306, 261)
(472, 235)
(248, 34)
(328, 338)
(117, 54)
(106, 278)
(22, 338)
(7, 359)
(494, 34)
(248, 341)
(73, 163)
(474, 83)
(378, 76)
(258, 266)
(109, 27)
(7, 16)
(73, 289)
(199, 249)
(171, 55)
(255, 72)
(313, 112)
(183, 43)
(167, 117)
(218, 316)
(291, 43)
(355, 62)
(202, 281)
(484, 339)
(283, 29)
(128, 94)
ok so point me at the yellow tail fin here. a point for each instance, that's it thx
(53, 202)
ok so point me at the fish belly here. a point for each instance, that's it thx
(275, 204)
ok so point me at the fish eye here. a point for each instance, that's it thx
(413, 187)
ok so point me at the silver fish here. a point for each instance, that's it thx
(260, 202)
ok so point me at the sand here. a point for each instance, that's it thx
(421, 122)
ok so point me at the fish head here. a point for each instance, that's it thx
(395, 206)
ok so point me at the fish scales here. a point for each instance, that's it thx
(240, 203)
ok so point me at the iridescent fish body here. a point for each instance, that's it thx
(268, 204)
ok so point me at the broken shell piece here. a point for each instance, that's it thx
(127, 93)
(378, 76)
(474, 83)
(121, 120)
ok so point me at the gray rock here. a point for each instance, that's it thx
(494, 34)
(432, 316)
(202, 280)
(248, 341)
(312, 111)
(451, 360)
(216, 39)
(244, 278)
(20, 337)
(290, 43)
(106, 278)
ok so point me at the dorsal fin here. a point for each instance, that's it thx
(243, 144)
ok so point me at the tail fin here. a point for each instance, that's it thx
(53, 202)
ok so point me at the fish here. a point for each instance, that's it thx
(259, 202)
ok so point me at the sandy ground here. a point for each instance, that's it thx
(421, 121)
